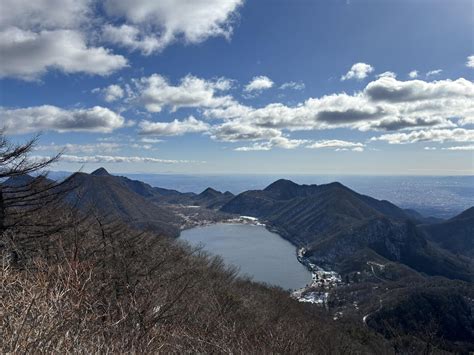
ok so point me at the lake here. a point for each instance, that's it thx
(257, 252)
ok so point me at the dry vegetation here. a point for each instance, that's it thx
(75, 283)
(107, 289)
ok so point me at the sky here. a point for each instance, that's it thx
(369, 87)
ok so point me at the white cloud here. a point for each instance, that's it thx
(392, 90)
(470, 61)
(461, 148)
(41, 35)
(254, 147)
(293, 85)
(434, 72)
(155, 92)
(385, 104)
(413, 74)
(152, 25)
(150, 140)
(112, 93)
(276, 142)
(432, 135)
(173, 128)
(259, 83)
(335, 143)
(132, 38)
(115, 159)
(387, 74)
(27, 55)
(44, 14)
(234, 131)
(52, 118)
(81, 148)
(429, 148)
(358, 71)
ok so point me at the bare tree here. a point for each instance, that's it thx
(21, 194)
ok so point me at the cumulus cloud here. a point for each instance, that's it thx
(293, 85)
(27, 55)
(151, 25)
(259, 83)
(413, 74)
(470, 61)
(173, 128)
(40, 35)
(432, 135)
(115, 159)
(335, 143)
(155, 92)
(113, 93)
(385, 104)
(234, 131)
(52, 118)
(358, 71)
(392, 90)
(44, 14)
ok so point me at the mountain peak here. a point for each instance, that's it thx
(281, 184)
(100, 172)
(210, 192)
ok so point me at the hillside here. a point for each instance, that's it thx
(370, 243)
(455, 234)
(333, 222)
(115, 197)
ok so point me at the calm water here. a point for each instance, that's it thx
(258, 253)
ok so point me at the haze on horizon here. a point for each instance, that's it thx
(233, 86)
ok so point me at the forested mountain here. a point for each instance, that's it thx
(333, 222)
(392, 265)
(455, 234)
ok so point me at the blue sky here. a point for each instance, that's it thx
(232, 86)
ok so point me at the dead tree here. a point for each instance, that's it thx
(20, 193)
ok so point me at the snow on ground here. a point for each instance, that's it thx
(322, 281)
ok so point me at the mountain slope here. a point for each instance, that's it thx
(308, 212)
(333, 222)
(110, 197)
(400, 242)
(455, 234)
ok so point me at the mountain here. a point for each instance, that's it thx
(26, 180)
(400, 242)
(334, 222)
(158, 194)
(307, 212)
(100, 172)
(116, 197)
(455, 234)
(211, 198)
